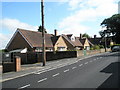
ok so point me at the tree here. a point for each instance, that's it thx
(40, 29)
(112, 25)
(86, 35)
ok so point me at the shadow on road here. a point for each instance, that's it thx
(114, 80)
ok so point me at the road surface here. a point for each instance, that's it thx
(100, 71)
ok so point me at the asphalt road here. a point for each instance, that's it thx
(100, 71)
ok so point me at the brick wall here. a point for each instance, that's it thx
(8, 67)
(12, 66)
(90, 52)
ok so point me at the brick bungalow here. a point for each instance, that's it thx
(32, 40)
(29, 39)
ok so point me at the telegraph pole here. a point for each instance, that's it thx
(43, 34)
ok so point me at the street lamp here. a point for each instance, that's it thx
(105, 45)
(104, 36)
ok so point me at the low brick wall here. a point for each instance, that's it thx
(90, 52)
(1, 69)
(12, 66)
(8, 67)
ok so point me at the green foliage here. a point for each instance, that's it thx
(115, 45)
(95, 47)
(72, 50)
(3, 50)
(40, 29)
(101, 46)
(112, 25)
(86, 35)
(91, 48)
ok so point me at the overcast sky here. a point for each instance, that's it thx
(67, 16)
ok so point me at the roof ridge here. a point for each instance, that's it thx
(31, 31)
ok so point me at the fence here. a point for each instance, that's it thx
(28, 58)
(34, 57)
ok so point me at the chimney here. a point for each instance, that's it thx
(55, 32)
(95, 36)
(80, 36)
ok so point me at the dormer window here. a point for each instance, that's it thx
(72, 38)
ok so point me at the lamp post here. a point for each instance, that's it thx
(43, 34)
(105, 45)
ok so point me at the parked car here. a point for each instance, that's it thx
(116, 48)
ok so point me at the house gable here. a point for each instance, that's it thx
(60, 44)
(18, 42)
(86, 43)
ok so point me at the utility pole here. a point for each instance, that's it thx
(43, 34)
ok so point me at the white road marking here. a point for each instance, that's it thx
(24, 86)
(80, 59)
(86, 63)
(100, 57)
(68, 59)
(90, 61)
(94, 59)
(66, 70)
(56, 74)
(76, 61)
(80, 65)
(42, 80)
(74, 67)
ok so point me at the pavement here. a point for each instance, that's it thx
(32, 68)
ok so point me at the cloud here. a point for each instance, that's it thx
(74, 29)
(86, 11)
(74, 4)
(11, 25)
(4, 40)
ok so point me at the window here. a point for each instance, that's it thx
(61, 49)
(38, 50)
(72, 38)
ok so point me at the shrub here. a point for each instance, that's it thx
(95, 47)
(101, 46)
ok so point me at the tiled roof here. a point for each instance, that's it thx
(73, 43)
(83, 41)
(95, 41)
(77, 42)
(54, 39)
(35, 38)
